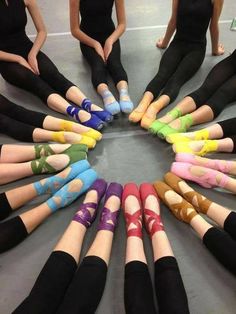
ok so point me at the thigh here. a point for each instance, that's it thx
(91, 56)
(22, 77)
(115, 54)
(188, 66)
(171, 59)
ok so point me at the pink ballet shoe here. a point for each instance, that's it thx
(209, 178)
(224, 166)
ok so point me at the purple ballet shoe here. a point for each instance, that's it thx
(114, 189)
(84, 216)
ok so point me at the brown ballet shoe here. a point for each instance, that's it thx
(181, 209)
(196, 199)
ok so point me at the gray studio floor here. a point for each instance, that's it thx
(126, 153)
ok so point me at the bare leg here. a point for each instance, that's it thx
(18, 153)
(75, 95)
(186, 105)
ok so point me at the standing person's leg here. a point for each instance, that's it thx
(41, 120)
(50, 74)
(15, 198)
(168, 65)
(170, 291)
(120, 77)
(99, 78)
(87, 286)
(220, 73)
(138, 292)
(219, 243)
(55, 277)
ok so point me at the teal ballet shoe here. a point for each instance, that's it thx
(65, 197)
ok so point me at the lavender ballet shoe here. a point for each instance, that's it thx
(84, 216)
(108, 218)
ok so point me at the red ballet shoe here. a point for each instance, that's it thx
(153, 221)
(133, 221)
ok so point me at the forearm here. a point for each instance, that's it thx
(215, 33)
(38, 43)
(9, 57)
(169, 32)
(119, 31)
(83, 38)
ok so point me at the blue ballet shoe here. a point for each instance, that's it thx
(94, 122)
(101, 114)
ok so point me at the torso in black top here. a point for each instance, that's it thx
(13, 20)
(193, 19)
(96, 18)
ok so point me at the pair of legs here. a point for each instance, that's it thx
(32, 126)
(179, 63)
(210, 175)
(61, 287)
(51, 86)
(170, 292)
(63, 190)
(114, 67)
(221, 243)
(203, 105)
(18, 161)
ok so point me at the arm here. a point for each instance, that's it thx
(120, 29)
(163, 42)
(76, 31)
(41, 33)
(214, 28)
(11, 57)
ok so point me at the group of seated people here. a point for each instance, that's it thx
(66, 284)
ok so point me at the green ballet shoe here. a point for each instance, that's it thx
(185, 123)
(41, 165)
(44, 150)
(157, 125)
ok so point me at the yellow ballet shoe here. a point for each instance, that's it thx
(207, 147)
(90, 142)
(180, 137)
(93, 134)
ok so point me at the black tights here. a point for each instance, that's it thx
(61, 289)
(100, 69)
(170, 291)
(50, 80)
(18, 122)
(218, 89)
(223, 244)
(178, 64)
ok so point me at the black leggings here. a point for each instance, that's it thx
(61, 289)
(100, 69)
(170, 291)
(178, 64)
(218, 89)
(49, 81)
(18, 122)
(223, 244)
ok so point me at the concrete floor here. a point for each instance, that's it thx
(126, 153)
